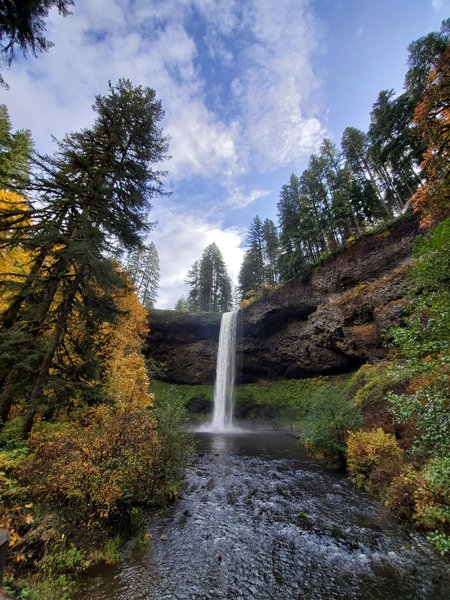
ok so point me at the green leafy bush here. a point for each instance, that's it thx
(327, 424)
(176, 443)
(440, 542)
(424, 347)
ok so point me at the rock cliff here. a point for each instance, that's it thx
(329, 321)
(186, 344)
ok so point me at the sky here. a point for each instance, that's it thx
(249, 89)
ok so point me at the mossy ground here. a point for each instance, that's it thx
(285, 403)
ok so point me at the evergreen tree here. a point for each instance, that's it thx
(15, 152)
(142, 265)
(148, 286)
(209, 282)
(260, 263)
(252, 273)
(270, 252)
(95, 188)
(192, 279)
(423, 55)
(22, 26)
(182, 305)
(294, 217)
(394, 147)
(355, 148)
(214, 284)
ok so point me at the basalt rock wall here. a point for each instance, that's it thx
(185, 345)
(329, 321)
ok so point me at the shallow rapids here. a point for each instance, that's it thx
(260, 520)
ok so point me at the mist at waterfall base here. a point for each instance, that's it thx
(222, 418)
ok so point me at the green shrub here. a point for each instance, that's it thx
(423, 347)
(432, 510)
(198, 404)
(176, 443)
(440, 542)
(327, 423)
(64, 559)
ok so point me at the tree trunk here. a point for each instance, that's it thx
(46, 363)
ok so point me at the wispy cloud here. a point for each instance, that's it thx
(153, 43)
(238, 197)
(236, 82)
(277, 86)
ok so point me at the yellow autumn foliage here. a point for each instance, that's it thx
(14, 260)
(127, 380)
(94, 467)
(374, 458)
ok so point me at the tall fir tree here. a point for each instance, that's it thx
(215, 293)
(210, 284)
(142, 265)
(95, 188)
(260, 263)
(182, 305)
(192, 280)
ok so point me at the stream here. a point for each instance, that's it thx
(258, 519)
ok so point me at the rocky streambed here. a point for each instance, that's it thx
(260, 520)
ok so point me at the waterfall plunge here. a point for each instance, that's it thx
(225, 376)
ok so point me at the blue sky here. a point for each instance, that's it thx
(250, 88)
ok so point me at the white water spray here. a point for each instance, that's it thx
(225, 375)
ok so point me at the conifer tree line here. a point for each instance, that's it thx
(260, 264)
(368, 179)
(64, 213)
(142, 266)
(210, 287)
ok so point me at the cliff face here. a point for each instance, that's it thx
(327, 322)
(186, 343)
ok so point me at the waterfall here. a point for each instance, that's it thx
(225, 374)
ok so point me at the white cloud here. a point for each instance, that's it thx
(150, 42)
(278, 100)
(267, 117)
(239, 198)
(180, 239)
(102, 42)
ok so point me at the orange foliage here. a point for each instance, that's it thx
(16, 510)
(400, 495)
(432, 119)
(14, 260)
(126, 378)
(90, 470)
